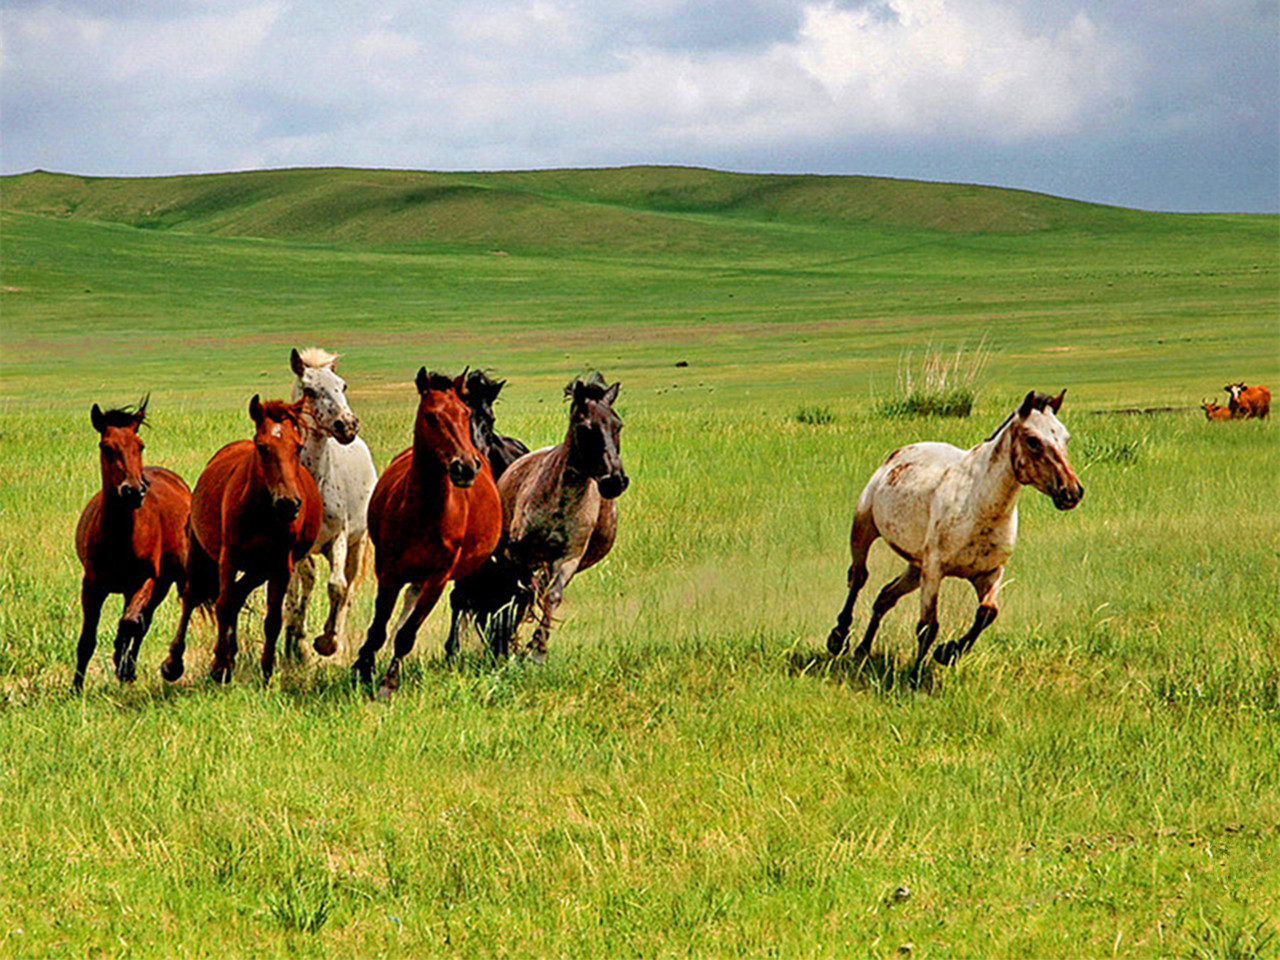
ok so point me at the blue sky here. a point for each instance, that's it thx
(1155, 104)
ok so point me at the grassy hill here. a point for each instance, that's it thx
(626, 209)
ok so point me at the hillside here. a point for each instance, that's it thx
(628, 209)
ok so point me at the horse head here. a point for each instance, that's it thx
(1040, 450)
(443, 426)
(120, 451)
(324, 393)
(278, 439)
(479, 392)
(595, 443)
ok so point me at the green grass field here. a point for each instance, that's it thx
(690, 774)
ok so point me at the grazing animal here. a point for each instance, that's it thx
(434, 517)
(340, 463)
(953, 513)
(559, 514)
(476, 598)
(131, 539)
(1215, 411)
(1248, 403)
(255, 511)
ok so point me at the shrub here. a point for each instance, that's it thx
(815, 416)
(941, 386)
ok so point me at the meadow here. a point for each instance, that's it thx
(690, 774)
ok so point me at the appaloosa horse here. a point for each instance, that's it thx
(340, 463)
(434, 517)
(131, 539)
(953, 513)
(558, 511)
(255, 511)
(477, 597)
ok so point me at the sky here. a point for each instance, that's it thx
(1153, 104)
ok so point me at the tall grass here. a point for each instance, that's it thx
(939, 384)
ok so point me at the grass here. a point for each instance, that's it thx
(689, 774)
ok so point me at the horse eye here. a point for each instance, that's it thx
(1034, 446)
(309, 393)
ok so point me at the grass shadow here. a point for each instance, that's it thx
(878, 672)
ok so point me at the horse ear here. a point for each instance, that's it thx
(1055, 403)
(460, 384)
(97, 419)
(295, 362)
(1028, 404)
(611, 394)
(255, 409)
(423, 381)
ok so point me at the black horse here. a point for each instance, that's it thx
(495, 585)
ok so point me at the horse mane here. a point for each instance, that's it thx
(479, 382)
(317, 357)
(127, 416)
(592, 385)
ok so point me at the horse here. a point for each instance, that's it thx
(131, 539)
(340, 463)
(434, 517)
(953, 513)
(559, 513)
(255, 511)
(482, 594)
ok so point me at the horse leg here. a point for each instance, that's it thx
(232, 594)
(986, 585)
(383, 605)
(91, 600)
(339, 585)
(131, 630)
(295, 605)
(861, 537)
(927, 626)
(457, 612)
(888, 598)
(561, 573)
(277, 585)
(407, 632)
(194, 592)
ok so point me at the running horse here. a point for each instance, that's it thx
(478, 597)
(434, 517)
(953, 513)
(131, 539)
(255, 512)
(559, 508)
(340, 463)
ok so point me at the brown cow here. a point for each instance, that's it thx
(1215, 411)
(1248, 403)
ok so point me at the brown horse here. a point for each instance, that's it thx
(558, 506)
(434, 517)
(255, 511)
(131, 539)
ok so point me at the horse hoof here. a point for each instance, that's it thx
(385, 689)
(172, 670)
(835, 643)
(945, 653)
(220, 675)
(325, 645)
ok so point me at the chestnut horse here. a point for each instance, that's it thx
(131, 539)
(434, 517)
(953, 513)
(255, 511)
(559, 514)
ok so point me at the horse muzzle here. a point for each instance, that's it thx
(286, 508)
(612, 486)
(345, 430)
(132, 495)
(1069, 497)
(462, 472)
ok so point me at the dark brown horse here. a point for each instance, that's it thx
(558, 511)
(255, 511)
(434, 517)
(476, 598)
(131, 539)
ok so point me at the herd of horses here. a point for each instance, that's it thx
(1243, 403)
(509, 527)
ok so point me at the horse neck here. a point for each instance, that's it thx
(993, 487)
(428, 476)
(314, 454)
